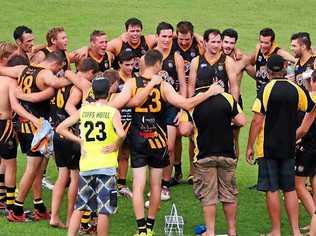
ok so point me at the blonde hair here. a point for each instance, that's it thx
(7, 49)
(52, 34)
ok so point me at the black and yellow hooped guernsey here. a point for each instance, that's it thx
(279, 101)
(301, 67)
(148, 130)
(104, 63)
(57, 105)
(213, 132)
(261, 66)
(209, 72)
(138, 51)
(27, 82)
(97, 131)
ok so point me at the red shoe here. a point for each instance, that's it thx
(40, 216)
(16, 218)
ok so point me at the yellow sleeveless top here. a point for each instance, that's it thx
(97, 131)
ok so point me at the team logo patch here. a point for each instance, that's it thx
(203, 65)
(170, 65)
(220, 67)
(300, 168)
(106, 65)
(143, 51)
(128, 49)
(259, 58)
(165, 76)
(193, 54)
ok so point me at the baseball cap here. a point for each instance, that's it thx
(100, 87)
(275, 63)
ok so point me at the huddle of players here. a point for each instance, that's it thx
(192, 64)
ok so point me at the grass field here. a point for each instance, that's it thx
(80, 17)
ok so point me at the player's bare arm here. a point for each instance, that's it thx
(63, 127)
(171, 96)
(192, 76)
(181, 74)
(74, 99)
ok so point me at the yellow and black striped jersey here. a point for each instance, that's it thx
(148, 129)
(279, 101)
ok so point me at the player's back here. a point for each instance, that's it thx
(97, 131)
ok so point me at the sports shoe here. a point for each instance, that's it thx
(11, 217)
(147, 204)
(92, 229)
(190, 179)
(176, 179)
(125, 192)
(165, 194)
(47, 184)
(150, 232)
(40, 216)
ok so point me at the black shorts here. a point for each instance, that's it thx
(305, 163)
(170, 114)
(25, 140)
(67, 153)
(8, 143)
(156, 158)
(275, 174)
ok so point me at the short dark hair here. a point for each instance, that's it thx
(20, 30)
(211, 31)
(96, 33)
(303, 38)
(230, 33)
(185, 27)
(56, 56)
(112, 75)
(152, 56)
(133, 22)
(88, 64)
(16, 60)
(125, 56)
(267, 32)
(163, 26)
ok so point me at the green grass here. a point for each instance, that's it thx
(80, 17)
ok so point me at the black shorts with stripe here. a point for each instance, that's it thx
(8, 142)
(305, 164)
(25, 136)
(67, 153)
